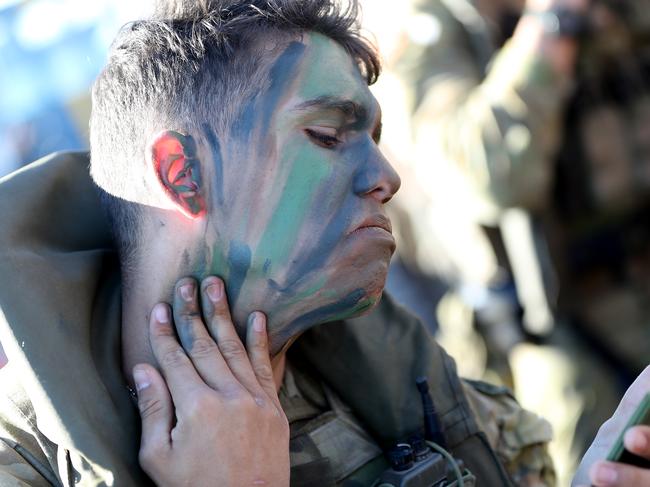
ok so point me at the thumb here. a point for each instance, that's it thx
(156, 410)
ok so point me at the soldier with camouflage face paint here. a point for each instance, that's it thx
(235, 146)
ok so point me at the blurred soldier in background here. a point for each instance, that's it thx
(543, 108)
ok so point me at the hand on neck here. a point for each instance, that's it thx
(150, 278)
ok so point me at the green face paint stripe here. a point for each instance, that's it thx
(283, 229)
(239, 262)
(261, 113)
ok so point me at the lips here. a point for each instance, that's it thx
(375, 221)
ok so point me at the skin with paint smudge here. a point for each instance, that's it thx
(294, 194)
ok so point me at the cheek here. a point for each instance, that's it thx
(300, 188)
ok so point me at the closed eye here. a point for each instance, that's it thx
(323, 139)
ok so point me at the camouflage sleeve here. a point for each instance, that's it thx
(519, 437)
(495, 116)
(26, 456)
(15, 471)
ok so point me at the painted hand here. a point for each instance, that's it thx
(215, 417)
(595, 471)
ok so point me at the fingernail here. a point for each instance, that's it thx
(637, 440)
(187, 291)
(215, 291)
(605, 473)
(258, 323)
(161, 313)
(141, 379)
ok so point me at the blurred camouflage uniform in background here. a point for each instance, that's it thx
(575, 155)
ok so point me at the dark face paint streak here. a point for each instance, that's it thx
(242, 127)
(320, 315)
(319, 254)
(217, 159)
(335, 229)
(282, 73)
(239, 261)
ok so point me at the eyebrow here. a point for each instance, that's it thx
(350, 109)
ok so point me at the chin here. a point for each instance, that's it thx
(374, 289)
(361, 289)
(371, 301)
(358, 290)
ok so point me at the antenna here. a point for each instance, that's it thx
(432, 430)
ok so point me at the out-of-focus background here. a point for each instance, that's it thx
(50, 52)
(521, 130)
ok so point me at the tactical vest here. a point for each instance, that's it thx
(368, 367)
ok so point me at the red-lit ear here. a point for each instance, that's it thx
(175, 162)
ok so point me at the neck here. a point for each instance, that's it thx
(147, 280)
(150, 278)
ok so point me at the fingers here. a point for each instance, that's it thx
(156, 411)
(637, 440)
(217, 314)
(194, 336)
(609, 474)
(215, 356)
(257, 344)
(180, 375)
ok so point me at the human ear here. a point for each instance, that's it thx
(174, 159)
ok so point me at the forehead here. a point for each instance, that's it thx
(324, 70)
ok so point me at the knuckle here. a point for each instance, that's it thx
(263, 372)
(232, 391)
(240, 400)
(231, 349)
(221, 310)
(150, 407)
(202, 404)
(163, 330)
(189, 314)
(248, 404)
(203, 347)
(259, 345)
(174, 357)
(189, 320)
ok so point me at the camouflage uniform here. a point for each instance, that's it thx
(579, 158)
(66, 417)
(574, 153)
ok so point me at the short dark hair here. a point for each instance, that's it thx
(176, 70)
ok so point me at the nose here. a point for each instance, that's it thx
(377, 178)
